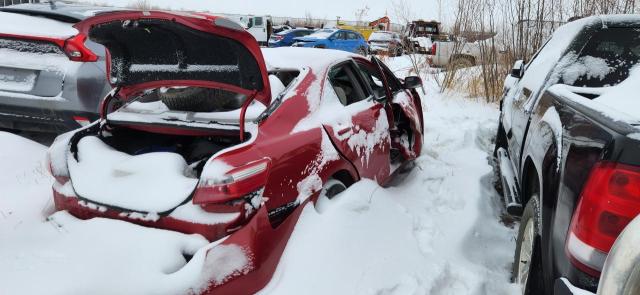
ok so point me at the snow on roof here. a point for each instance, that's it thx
(297, 58)
(19, 24)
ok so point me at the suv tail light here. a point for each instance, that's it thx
(609, 201)
(433, 48)
(76, 50)
(234, 185)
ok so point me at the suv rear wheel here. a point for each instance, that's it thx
(527, 263)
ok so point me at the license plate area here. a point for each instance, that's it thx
(17, 80)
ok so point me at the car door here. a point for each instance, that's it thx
(258, 28)
(338, 41)
(409, 102)
(359, 127)
(518, 105)
(352, 42)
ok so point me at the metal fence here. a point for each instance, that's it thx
(12, 2)
(317, 22)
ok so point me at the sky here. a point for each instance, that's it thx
(329, 9)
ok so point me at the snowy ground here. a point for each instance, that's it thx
(437, 232)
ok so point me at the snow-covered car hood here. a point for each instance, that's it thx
(167, 48)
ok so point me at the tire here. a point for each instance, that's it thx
(362, 51)
(195, 99)
(330, 190)
(527, 262)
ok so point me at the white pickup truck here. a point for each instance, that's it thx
(259, 26)
(463, 54)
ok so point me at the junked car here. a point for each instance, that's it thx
(339, 39)
(205, 133)
(385, 42)
(51, 78)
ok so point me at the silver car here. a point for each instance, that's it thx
(51, 77)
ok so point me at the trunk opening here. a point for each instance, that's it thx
(195, 150)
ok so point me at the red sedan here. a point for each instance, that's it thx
(205, 133)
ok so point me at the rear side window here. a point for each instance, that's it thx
(302, 33)
(352, 36)
(340, 35)
(605, 60)
(346, 83)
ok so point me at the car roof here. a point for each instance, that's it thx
(61, 11)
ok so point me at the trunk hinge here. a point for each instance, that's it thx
(244, 111)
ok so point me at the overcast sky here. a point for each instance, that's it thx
(346, 9)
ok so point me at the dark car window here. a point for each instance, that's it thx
(373, 78)
(352, 36)
(606, 59)
(302, 33)
(340, 36)
(346, 84)
(392, 80)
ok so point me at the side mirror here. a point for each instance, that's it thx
(412, 82)
(518, 69)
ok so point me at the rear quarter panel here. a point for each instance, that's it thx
(563, 144)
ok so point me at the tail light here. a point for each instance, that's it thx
(609, 201)
(433, 48)
(82, 121)
(278, 37)
(234, 186)
(76, 50)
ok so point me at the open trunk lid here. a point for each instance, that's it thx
(157, 49)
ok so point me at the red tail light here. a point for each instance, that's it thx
(235, 184)
(609, 201)
(76, 50)
(278, 37)
(433, 48)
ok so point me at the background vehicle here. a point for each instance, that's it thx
(200, 143)
(568, 152)
(51, 78)
(344, 40)
(385, 42)
(285, 38)
(457, 53)
(259, 26)
(421, 34)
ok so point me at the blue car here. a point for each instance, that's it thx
(339, 39)
(285, 38)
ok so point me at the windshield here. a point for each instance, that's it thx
(605, 60)
(382, 36)
(322, 34)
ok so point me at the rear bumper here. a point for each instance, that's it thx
(31, 119)
(65, 199)
(562, 286)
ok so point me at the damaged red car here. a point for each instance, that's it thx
(206, 133)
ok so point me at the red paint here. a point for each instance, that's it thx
(290, 158)
(194, 21)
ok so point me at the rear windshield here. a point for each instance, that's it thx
(605, 60)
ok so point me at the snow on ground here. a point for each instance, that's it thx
(436, 232)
